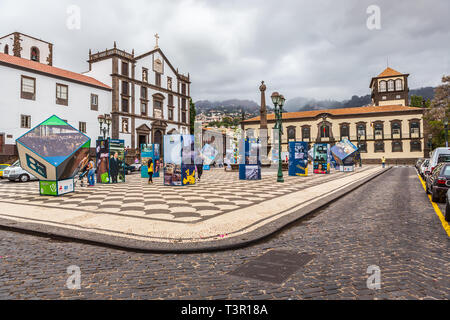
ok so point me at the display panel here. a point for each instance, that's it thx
(298, 158)
(118, 146)
(53, 140)
(321, 158)
(172, 149)
(53, 150)
(102, 151)
(172, 174)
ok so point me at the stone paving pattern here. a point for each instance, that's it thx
(387, 222)
(218, 192)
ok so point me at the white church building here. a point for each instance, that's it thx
(145, 95)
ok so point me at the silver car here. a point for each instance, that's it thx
(15, 172)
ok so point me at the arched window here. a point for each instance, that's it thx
(291, 133)
(324, 131)
(399, 85)
(306, 135)
(361, 131)
(396, 130)
(391, 85)
(382, 87)
(415, 129)
(378, 131)
(6, 49)
(345, 131)
(34, 54)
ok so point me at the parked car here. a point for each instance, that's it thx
(137, 166)
(438, 155)
(447, 206)
(129, 169)
(15, 172)
(2, 167)
(438, 182)
(419, 163)
(423, 169)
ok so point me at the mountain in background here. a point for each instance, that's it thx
(298, 103)
(305, 104)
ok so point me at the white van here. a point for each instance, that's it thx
(438, 155)
(15, 172)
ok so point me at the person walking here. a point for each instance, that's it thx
(150, 171)
(114, 167)
(383, 161)
(199, 167)
(91, 173)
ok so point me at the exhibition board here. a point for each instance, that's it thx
(321, 158)
(109, 168)
(298, 158)
(179, 160)
(150, 151)
(250, 169)
(53, 151)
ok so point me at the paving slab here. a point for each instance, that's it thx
(220, 212)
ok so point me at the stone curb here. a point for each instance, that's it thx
(120, 243)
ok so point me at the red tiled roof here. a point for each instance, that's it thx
(389, 72)
(40, 67)
(336, 112)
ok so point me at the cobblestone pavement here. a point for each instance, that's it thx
(387, 222)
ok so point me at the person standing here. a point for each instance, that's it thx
(383, 161)
(199, 167)
(150, 171)
(91, 173)
(114, 167)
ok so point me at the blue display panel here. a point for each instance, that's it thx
(321, 158)
(150, 151)
(298, 158)
(251, 168)
(179, 156)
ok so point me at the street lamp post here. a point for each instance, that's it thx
(104, 119)
(359, 150)
(446, 132)
(278, 102)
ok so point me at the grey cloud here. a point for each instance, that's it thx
(318, 49)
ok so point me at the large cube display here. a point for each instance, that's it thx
(179, 156)
(250, 168)
(298, 158)
(54, 152)
(344, 153)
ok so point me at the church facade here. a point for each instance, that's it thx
(144, 94)
(388, 127)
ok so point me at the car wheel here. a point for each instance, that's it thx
(24, 178)
(447, 212)
(434, 197)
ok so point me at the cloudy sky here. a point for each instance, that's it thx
(317, 49)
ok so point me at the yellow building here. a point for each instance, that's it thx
(387, 128)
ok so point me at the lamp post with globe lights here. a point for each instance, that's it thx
(278, 101)
(106, 120)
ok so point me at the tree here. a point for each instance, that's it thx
(438, 110)
(416, 101)
(192, 114)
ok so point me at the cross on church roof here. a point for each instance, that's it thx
(156, 37)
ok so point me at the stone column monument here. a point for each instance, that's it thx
(263, 110)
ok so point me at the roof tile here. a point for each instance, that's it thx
(342, 111)
(40, 67)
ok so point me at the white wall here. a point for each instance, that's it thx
(101, 71)
(27, 43)
(78, 109)
(9, 40)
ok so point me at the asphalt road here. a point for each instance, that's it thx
(388, 223)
